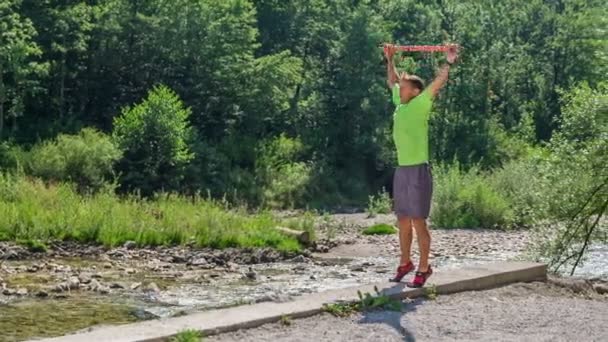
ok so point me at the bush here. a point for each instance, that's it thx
(466, 199)
(379, 204)
(281, 174)
(574, 179)
(520, 181)
(86, 159)
(153, 137)
(11, 157)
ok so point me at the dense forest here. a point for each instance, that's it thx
(278, 104)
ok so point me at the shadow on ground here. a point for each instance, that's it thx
(393, 318)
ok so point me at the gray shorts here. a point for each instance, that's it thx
(412, 191)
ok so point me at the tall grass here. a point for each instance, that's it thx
(33, 210)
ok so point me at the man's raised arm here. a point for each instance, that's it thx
(442, 76)
(391, 71)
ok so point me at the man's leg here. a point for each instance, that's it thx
(424, 243)
(405, 238)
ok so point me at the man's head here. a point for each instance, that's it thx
(410, 86)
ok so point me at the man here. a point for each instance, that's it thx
(413, 181)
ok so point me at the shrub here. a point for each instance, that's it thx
(11, 157)
(466, 199)
(379, 204)
(153, 137)
(86, 159)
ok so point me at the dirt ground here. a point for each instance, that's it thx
(521, 312)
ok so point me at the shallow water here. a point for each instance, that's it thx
(282, 281)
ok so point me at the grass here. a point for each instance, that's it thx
(366, 302)
(430, 292)
(35, 212)
(286, 321)
(380, 229)
(188, 336)
(34, 246)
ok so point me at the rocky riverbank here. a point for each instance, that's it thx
(130, 283)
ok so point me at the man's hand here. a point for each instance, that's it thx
(452, 53)
(392, 74)
(389, 52)
(442, 76)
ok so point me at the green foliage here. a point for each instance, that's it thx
(466, 199)
(366, 302)
(153, 138)
(341, 309)
(520, 182)
(380, 229)
(18, 66)
(282, 176)
(34, 246)
(33, 211)
(286, 321)
(574, 180)
(188, 336)
(11, 157)
(430, 292)
(379, 204)
(258, 74)
(86, 159)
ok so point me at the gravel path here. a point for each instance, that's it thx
(522, 312)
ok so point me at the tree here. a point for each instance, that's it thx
(153, 138)
(17, 61)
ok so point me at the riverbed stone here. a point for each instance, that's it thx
(84, 278)
(601, 288)
(130, 245)
(117, 286)
(151, 288)
(21, 292)
(42, 294)
(9, 292)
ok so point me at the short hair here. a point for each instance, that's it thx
(415, 80)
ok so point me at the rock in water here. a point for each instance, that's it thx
(42, 294)
(143, 314)
(117, 286)
(152, 287)
(251, 275)
(299, 259)
(199, 262)
(601, 288)
(73, 283)
(84, 278)
(9, 292)
(22, 292)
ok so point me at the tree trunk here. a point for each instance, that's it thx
(2, 100)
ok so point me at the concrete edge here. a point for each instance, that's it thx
(215, 322)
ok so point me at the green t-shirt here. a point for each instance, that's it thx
(411, 127)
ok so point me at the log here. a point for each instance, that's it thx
(302, 236)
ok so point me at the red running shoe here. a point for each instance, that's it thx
(420, 278)
(402, 271)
